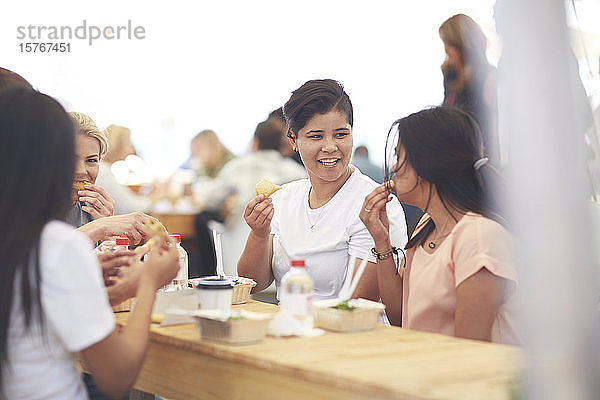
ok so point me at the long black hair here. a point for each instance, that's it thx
(36, 174)
(444, 147)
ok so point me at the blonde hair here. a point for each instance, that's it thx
(117, 137)
(86, 126)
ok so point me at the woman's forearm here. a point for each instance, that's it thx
(116, 360)
(390, 285)
(255, 261)
(95, 230)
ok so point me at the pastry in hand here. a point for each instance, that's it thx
(80, 185)
(266, 188)
(154, 228)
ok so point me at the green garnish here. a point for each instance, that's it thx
(344, 306)
(235, 318)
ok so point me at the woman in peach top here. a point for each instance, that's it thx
(458, 278)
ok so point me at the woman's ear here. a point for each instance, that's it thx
(293, 141)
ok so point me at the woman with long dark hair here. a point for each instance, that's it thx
(459, 279)
(54, 303)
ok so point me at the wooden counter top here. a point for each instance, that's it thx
(386, 363)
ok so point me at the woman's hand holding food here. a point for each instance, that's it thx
(258, 215)
(98, 203)
(373, 214)
(132, 225)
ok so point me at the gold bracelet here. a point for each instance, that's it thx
(383, 256)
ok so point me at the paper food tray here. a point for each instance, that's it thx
(244, 328)
(241, 290)
(363, 318)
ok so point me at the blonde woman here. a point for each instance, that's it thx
(88, 201)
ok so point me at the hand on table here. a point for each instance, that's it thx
(98, 203)
(258, 215)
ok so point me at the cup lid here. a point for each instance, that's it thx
(214, 283)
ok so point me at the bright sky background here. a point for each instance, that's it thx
(223, 65)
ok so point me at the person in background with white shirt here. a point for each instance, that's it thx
(55, 303)
(316, 219)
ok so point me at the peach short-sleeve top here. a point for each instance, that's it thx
(430, 280)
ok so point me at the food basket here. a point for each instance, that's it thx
(362, 316)
(241, 290)
(234, 327)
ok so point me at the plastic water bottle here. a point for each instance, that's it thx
(181, 280)
(297, 293)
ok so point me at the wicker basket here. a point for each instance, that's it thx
(241, 290)
(363, 318)
(242, 328)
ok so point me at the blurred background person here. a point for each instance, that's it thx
(119, 148)
(226, 196)
(469, 79)
(207, 155)
(286, 149)
(360, 159)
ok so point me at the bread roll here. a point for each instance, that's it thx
(266, 188)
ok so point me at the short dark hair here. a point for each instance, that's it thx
(34, 127)
(317, 96)
(268, 135)
(442, 144)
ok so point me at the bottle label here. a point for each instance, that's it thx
(298, 304)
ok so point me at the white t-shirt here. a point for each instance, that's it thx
(325, 237)
(77, 315)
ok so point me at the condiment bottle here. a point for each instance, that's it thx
(297, 293)
(122, 243)
(181, 280)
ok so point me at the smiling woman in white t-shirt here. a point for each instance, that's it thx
(54, 301)
(316, 219)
